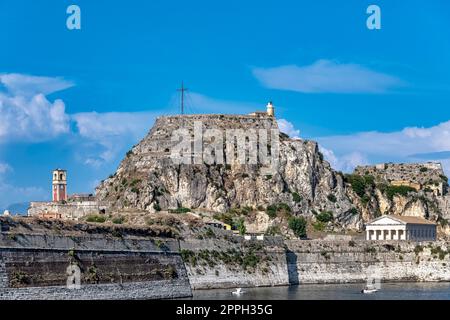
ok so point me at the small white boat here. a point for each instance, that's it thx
(237, 292)
(369, 289)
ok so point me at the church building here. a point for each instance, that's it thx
(393, 227)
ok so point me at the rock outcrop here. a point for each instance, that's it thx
(148, 178)
(416, 189)
(151, 179)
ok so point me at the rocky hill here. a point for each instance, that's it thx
(148, 179)
(415, 189)
(302, 184)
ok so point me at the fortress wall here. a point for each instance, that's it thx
(299, 261)
(344, 262)
(105, 243)
(35, 267)
(421, 173)
(136, 291)
(72, 210)
(213, 272)
(165, 126)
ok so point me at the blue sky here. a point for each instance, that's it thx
(79, 99)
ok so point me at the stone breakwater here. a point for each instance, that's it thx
(35, 267)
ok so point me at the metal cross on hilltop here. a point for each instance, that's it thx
(182, 90)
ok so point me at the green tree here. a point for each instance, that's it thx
(296, 197)
(240, 226)
(332, 197)
(272, 211)
(325, 216)
(298, 225)
(391, 191)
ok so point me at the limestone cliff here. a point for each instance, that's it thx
(400, 189)
(148, 179)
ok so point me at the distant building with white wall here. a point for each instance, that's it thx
(392, 227)
(270, 111)
(63, 206)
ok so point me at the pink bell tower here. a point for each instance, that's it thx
(59, 185)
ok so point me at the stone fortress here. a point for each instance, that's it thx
(148, 180)
(427, 176)
(63, 206)
(170, 267)
(77, 206)
(161, 144)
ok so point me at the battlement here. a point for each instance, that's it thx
(164, 127)
(415, 172)
(429, 175)
(254, 120)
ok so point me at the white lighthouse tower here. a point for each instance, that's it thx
(270, 109)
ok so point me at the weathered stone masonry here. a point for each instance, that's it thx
(301, 262)
(33, 266)
(111, 269)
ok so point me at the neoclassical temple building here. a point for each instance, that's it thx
(392, 227)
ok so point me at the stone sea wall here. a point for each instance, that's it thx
(229, 264)
(344, 262)
(297, 262)
(35, 267)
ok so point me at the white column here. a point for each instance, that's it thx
(403, 236)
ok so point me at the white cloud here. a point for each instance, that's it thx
(27, 85)
(25, 112)
(33, 119)
(200, 103)
(4, 167)
(346, 162)
(288, 128)
(408, 145)
(325, 76)
(104, 135)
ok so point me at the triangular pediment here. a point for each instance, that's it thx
(386, 220)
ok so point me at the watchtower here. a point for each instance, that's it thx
(270, 109)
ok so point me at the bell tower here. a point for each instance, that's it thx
(59, 185)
